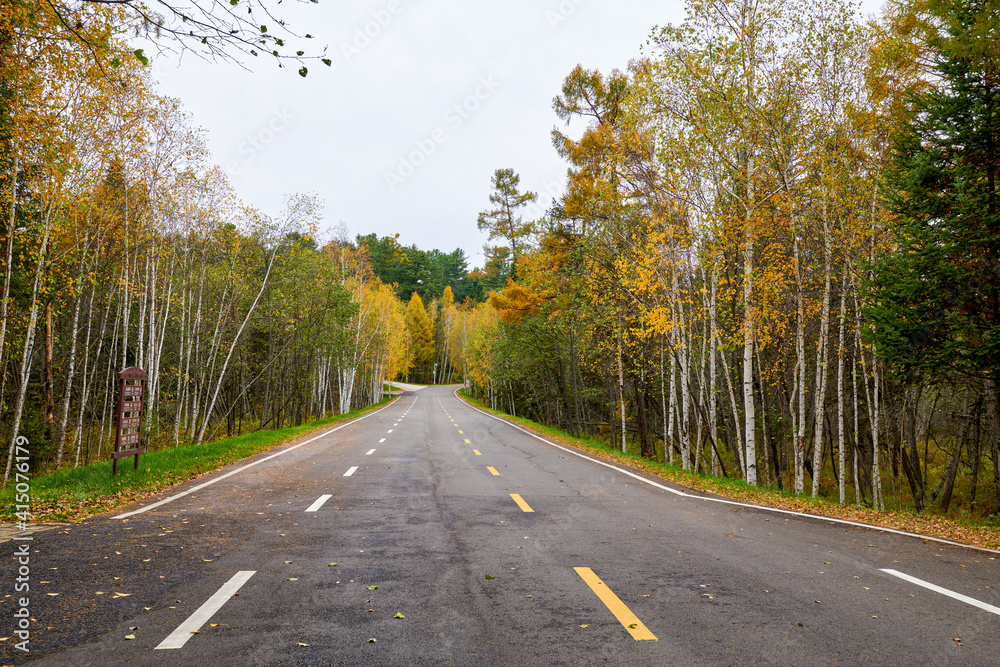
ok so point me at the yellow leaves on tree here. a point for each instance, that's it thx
(421, 329)
(514, 302)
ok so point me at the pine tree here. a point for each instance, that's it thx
(935, 301)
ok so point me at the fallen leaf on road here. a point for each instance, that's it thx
(333, 565)
(293, 578)
(288, 562)
(371, 588)
(52, 594)
(301, 644)
(399, 616)
(214, 625)
(371, 641)
(129, 636)
(490, 576)
(585, 625)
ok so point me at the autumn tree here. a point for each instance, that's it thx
(421, 330)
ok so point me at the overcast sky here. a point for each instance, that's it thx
(424, 101)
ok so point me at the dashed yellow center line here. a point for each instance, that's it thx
(615, 605)
(461, 431)
(493, 470)
(477, 452)
(520, 502)
(467, 441)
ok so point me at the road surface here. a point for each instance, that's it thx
(430, 533)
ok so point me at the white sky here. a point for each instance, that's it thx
(339, 132)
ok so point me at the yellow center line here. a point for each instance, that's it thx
(467, 441)
(461, 431)
(520, 502)
(493, 470)
(477, 452)
(615, 605)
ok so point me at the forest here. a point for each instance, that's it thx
(123, 245)
(776, 258)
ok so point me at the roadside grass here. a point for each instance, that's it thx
(981, 533)
(73, 494)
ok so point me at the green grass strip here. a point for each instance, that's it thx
(73, 494)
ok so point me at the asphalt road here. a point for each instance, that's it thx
(422, 521)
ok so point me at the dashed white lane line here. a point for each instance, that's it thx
(369, 452)
(389, 431)
(944, 591)
(319, 503)
(179, 637)
(242, 468)
(381, 441)
(350, 471)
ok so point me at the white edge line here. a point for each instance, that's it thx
(943, 591)
(179, 637)
(319, 502)
(350, 471)
(723, 501)
(249, 465)
(369, 452)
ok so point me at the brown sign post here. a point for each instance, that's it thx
(131, 392)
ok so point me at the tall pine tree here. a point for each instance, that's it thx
(935, 300)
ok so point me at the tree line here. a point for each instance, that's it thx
(121, 244)
(776, 257)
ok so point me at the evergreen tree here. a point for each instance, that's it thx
(935, 301)
(505, 220)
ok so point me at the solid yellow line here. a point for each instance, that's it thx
(493, 470)
(615, 605)
(477, 452)
(520, 502)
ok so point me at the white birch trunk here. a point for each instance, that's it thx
(29, 343)
(822, 356)
(841, 440)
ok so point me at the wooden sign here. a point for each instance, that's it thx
(128, 431)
